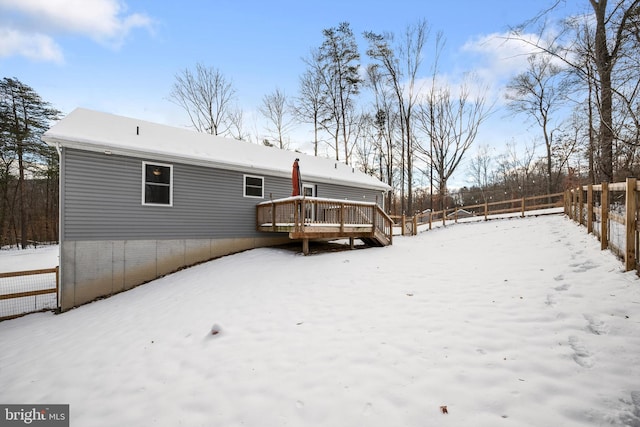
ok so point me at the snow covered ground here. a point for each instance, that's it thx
(520, 322)
(28, 259)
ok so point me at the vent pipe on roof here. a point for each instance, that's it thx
(137, 130)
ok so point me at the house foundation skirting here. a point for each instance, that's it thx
(95, 269)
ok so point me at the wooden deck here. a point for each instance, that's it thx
(313, 218)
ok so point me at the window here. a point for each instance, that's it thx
(157, 184)
(253, 186)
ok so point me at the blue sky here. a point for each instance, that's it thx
(122, 56)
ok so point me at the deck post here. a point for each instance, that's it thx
(296, 215)
(352, 242)
(305, 246)
(273, 216)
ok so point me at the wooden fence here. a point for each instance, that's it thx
(610, 212)
(519, 206)
(24, 292)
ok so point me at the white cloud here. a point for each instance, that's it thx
(105, 21)
(500, 54)
(498, 57)
(38, 47)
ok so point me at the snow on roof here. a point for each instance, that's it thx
(102, 132)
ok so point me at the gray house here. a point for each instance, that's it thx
(139, 200)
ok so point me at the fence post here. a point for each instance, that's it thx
(590, 208)
(574, 205)
(415, 225)
(486, 210)
(572, 212)
(522, 206)
(404, 223)
(580, 206)
(604, 206)
(630, 224)
(430, 215)
(58, 302)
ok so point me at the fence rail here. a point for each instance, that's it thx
(610, 212)
(410, 224)
(23, 292)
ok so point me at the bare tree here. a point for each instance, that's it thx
(538, 94)
(206, 96)
(400, 65)
(276, 110)
(236, 125)
(386, 123)
(615, 32)
(451, 123)
(480, 168)
(515, 170)
(311, 104)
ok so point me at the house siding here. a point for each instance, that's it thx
(103, 200)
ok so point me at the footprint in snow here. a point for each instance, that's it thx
(581, 355)
(581, 267)
(595, 326)
(631, 417)
(550, 301)
(366, 411)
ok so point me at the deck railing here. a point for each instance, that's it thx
(338, 217)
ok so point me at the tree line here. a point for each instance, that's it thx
(392, 117)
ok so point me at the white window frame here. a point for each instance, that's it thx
(244, 186)
(144, 183)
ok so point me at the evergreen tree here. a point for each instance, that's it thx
(340, 64)
(24, 117)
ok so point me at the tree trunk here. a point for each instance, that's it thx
(604, 63)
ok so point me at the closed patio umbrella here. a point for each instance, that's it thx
(296, 181)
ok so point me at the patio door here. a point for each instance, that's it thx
(309, 190)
